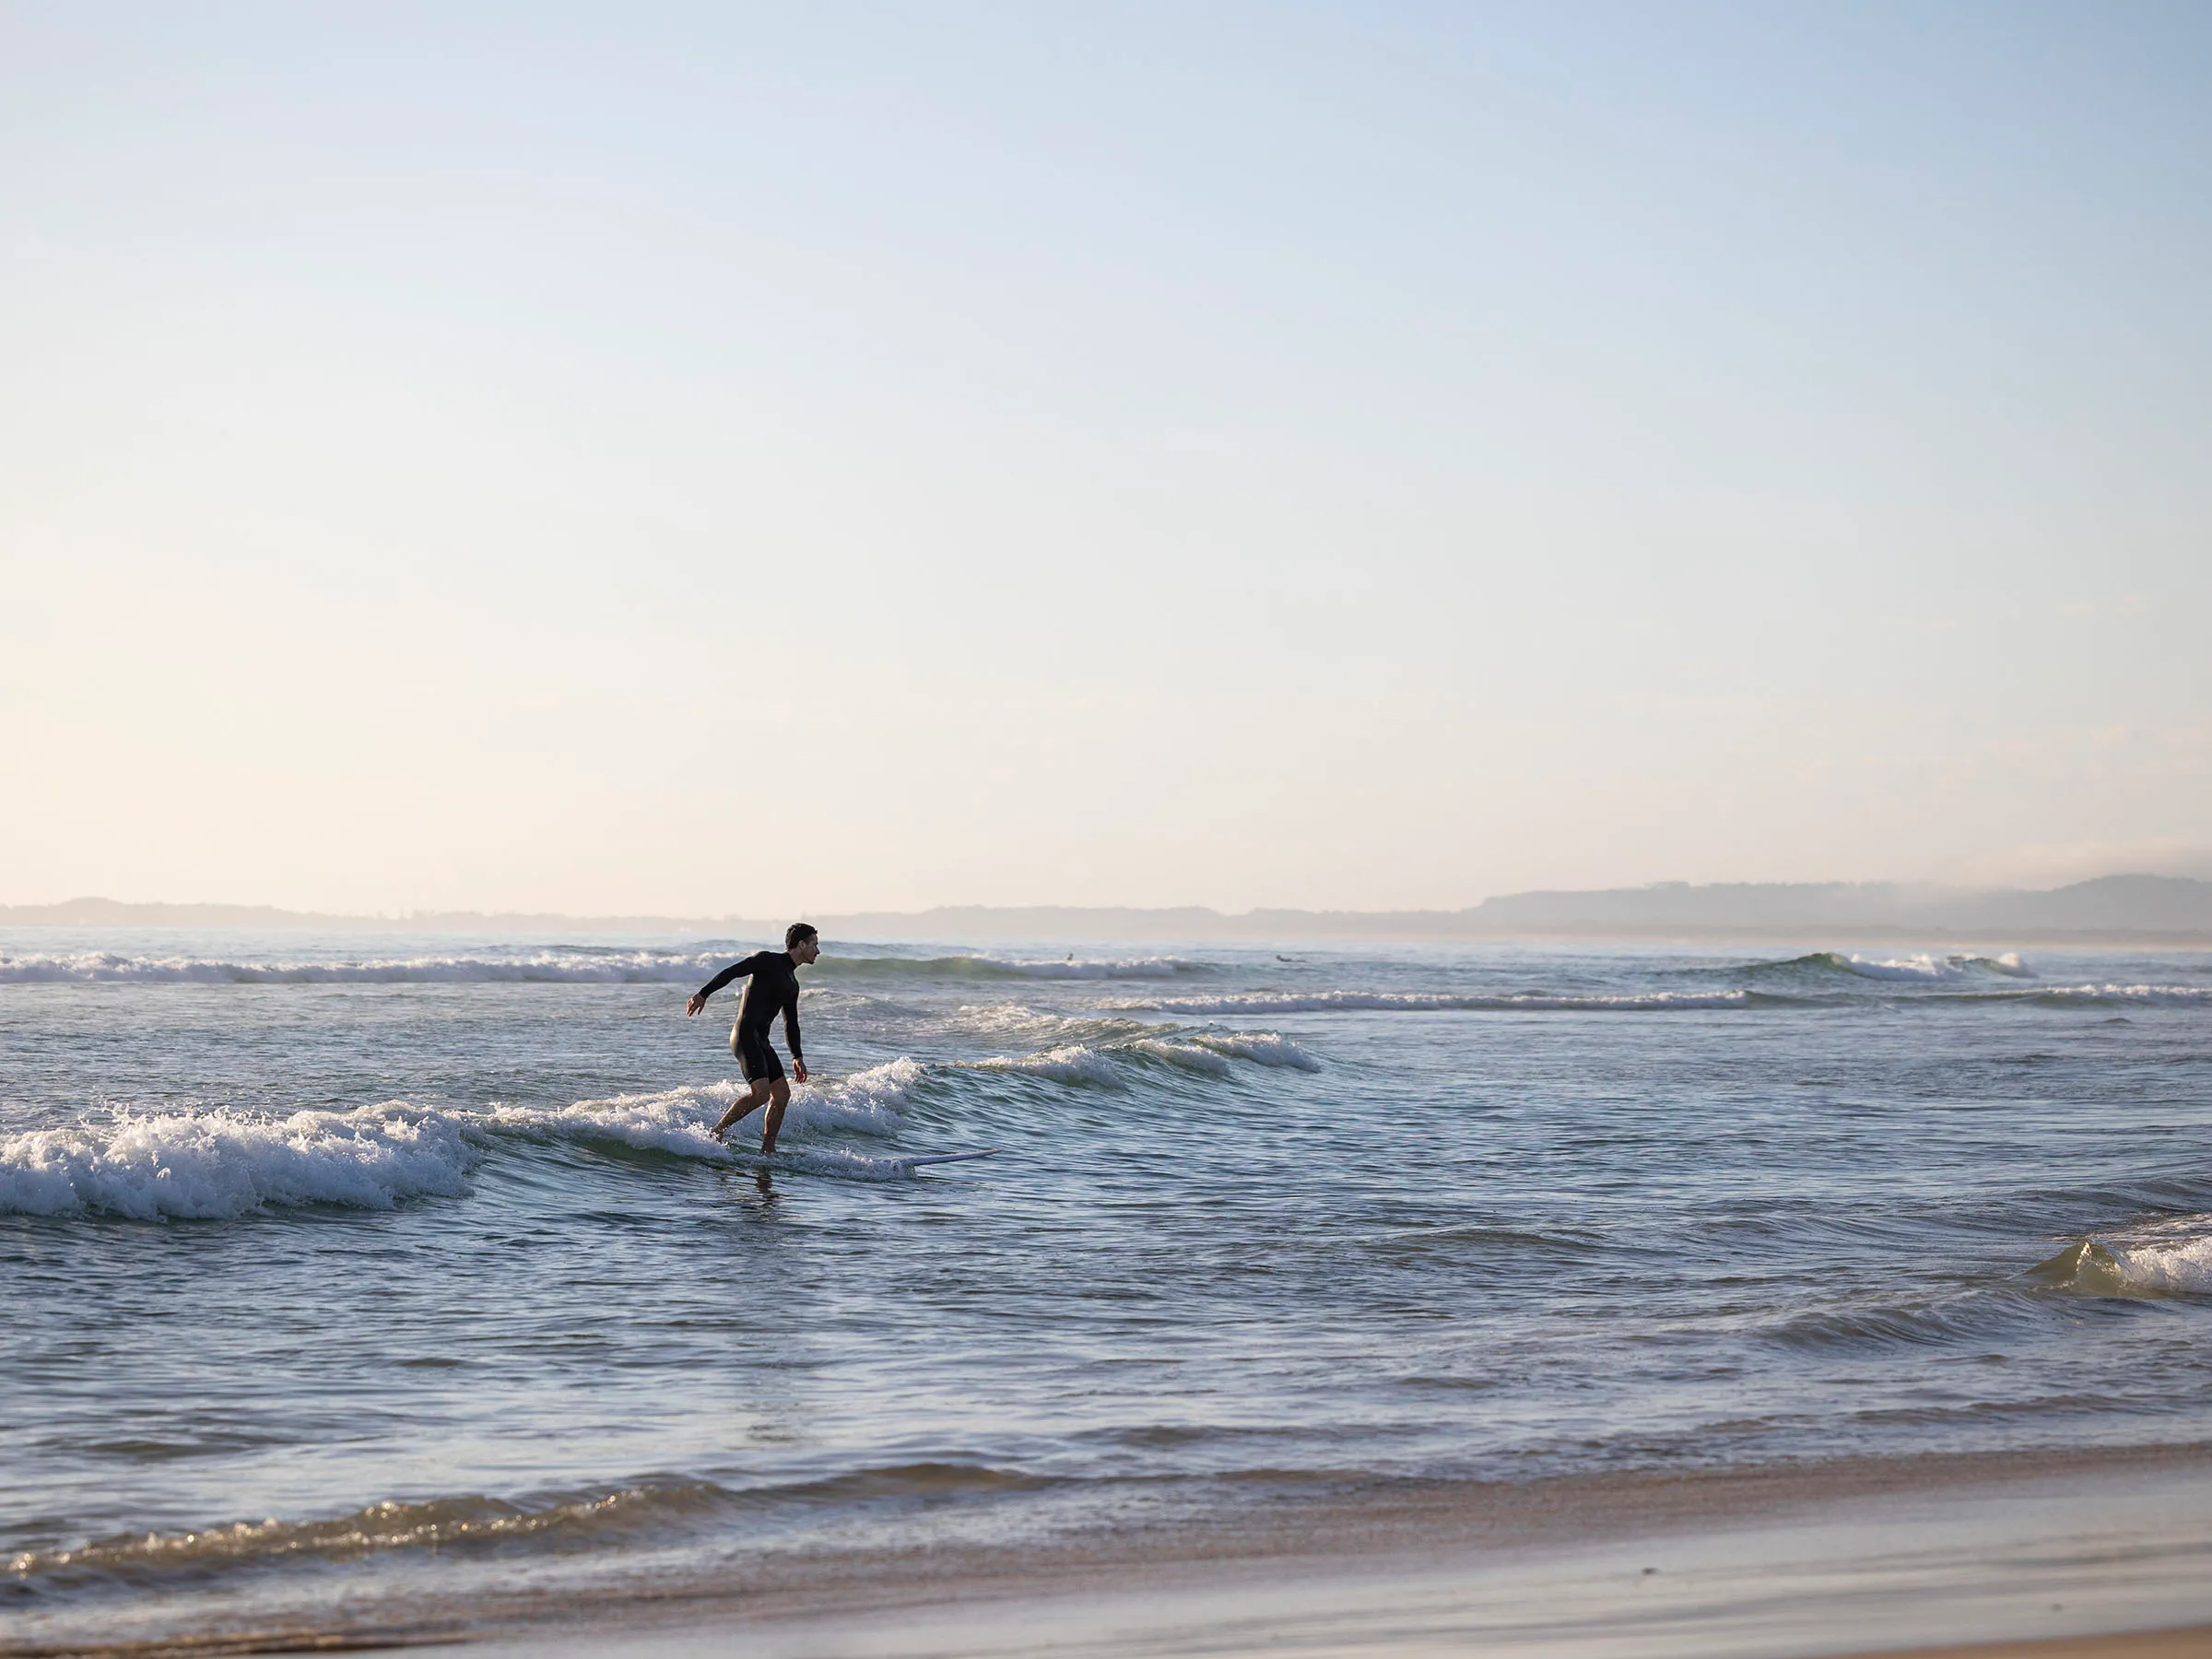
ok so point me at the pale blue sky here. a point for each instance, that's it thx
(679, 458)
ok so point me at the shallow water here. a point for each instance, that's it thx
(382, 1266)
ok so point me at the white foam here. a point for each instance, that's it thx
(2153, 994)
(872, 1101)
(678, 1119)
(1002, 1019)
(2160, 1258)
(2183, 1267)
(1074, 969)
(681, 1120)
(210, 1164)
(1263, 1048)
(1073, 1063)
(1188, 1055)
(1923, 967)
(224, 1162)
(1329, 1002)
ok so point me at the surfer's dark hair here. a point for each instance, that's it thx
(798, 933)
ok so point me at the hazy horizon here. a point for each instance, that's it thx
(698, 462)
(2119, 903)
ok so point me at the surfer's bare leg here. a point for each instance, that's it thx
(779, 1097)
(743, 1105)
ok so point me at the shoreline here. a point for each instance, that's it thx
(2185, 1642)
(1820, 1561)
(1924, 1555)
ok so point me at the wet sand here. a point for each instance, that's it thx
(2060, 1556)
(2192, 1642)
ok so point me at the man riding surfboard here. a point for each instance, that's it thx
(771, 987)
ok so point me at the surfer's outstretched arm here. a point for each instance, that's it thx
(698, 997)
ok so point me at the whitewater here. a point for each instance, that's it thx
(407, 1268)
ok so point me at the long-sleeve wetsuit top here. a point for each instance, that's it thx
(771, 987)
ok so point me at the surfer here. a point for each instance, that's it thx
(771, 987)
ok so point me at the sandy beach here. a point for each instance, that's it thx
(2183, 1644)
(2064, 1556)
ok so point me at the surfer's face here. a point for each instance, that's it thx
(805, 950)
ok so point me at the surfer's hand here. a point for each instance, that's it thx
(799, 1066)
(699, 1001)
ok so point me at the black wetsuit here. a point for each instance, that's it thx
(771, 985)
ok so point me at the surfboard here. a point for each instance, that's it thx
(797, 1162)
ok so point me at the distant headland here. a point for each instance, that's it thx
(2152, 909)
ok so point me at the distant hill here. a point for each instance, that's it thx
(2150, 909)
(2122, 904)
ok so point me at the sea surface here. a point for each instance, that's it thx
(382, 1270)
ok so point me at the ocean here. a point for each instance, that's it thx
(392, 1275)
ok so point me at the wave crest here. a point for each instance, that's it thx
(1330, 1002)
(442, 1522)
(1209, 1053)
(2158, 1259)
(1922, 968)
(220, 1162)
(477, 1524)
(211, 1164)
(2147, 995)
(960, 967)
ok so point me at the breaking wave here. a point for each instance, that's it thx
(2147, 995)
(205, 1165)
(220, 1163)
(1919, 968)
(1263, 1048)
(1326, 1002)
(961, 968)
(2158, 1258)
(1071, 1062)
(1776, 985)
(1106, 1066)
(678, 1119)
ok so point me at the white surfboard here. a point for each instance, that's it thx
(798, 1162)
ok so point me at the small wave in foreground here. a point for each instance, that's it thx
(2160, 1258)
(475, 1525)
